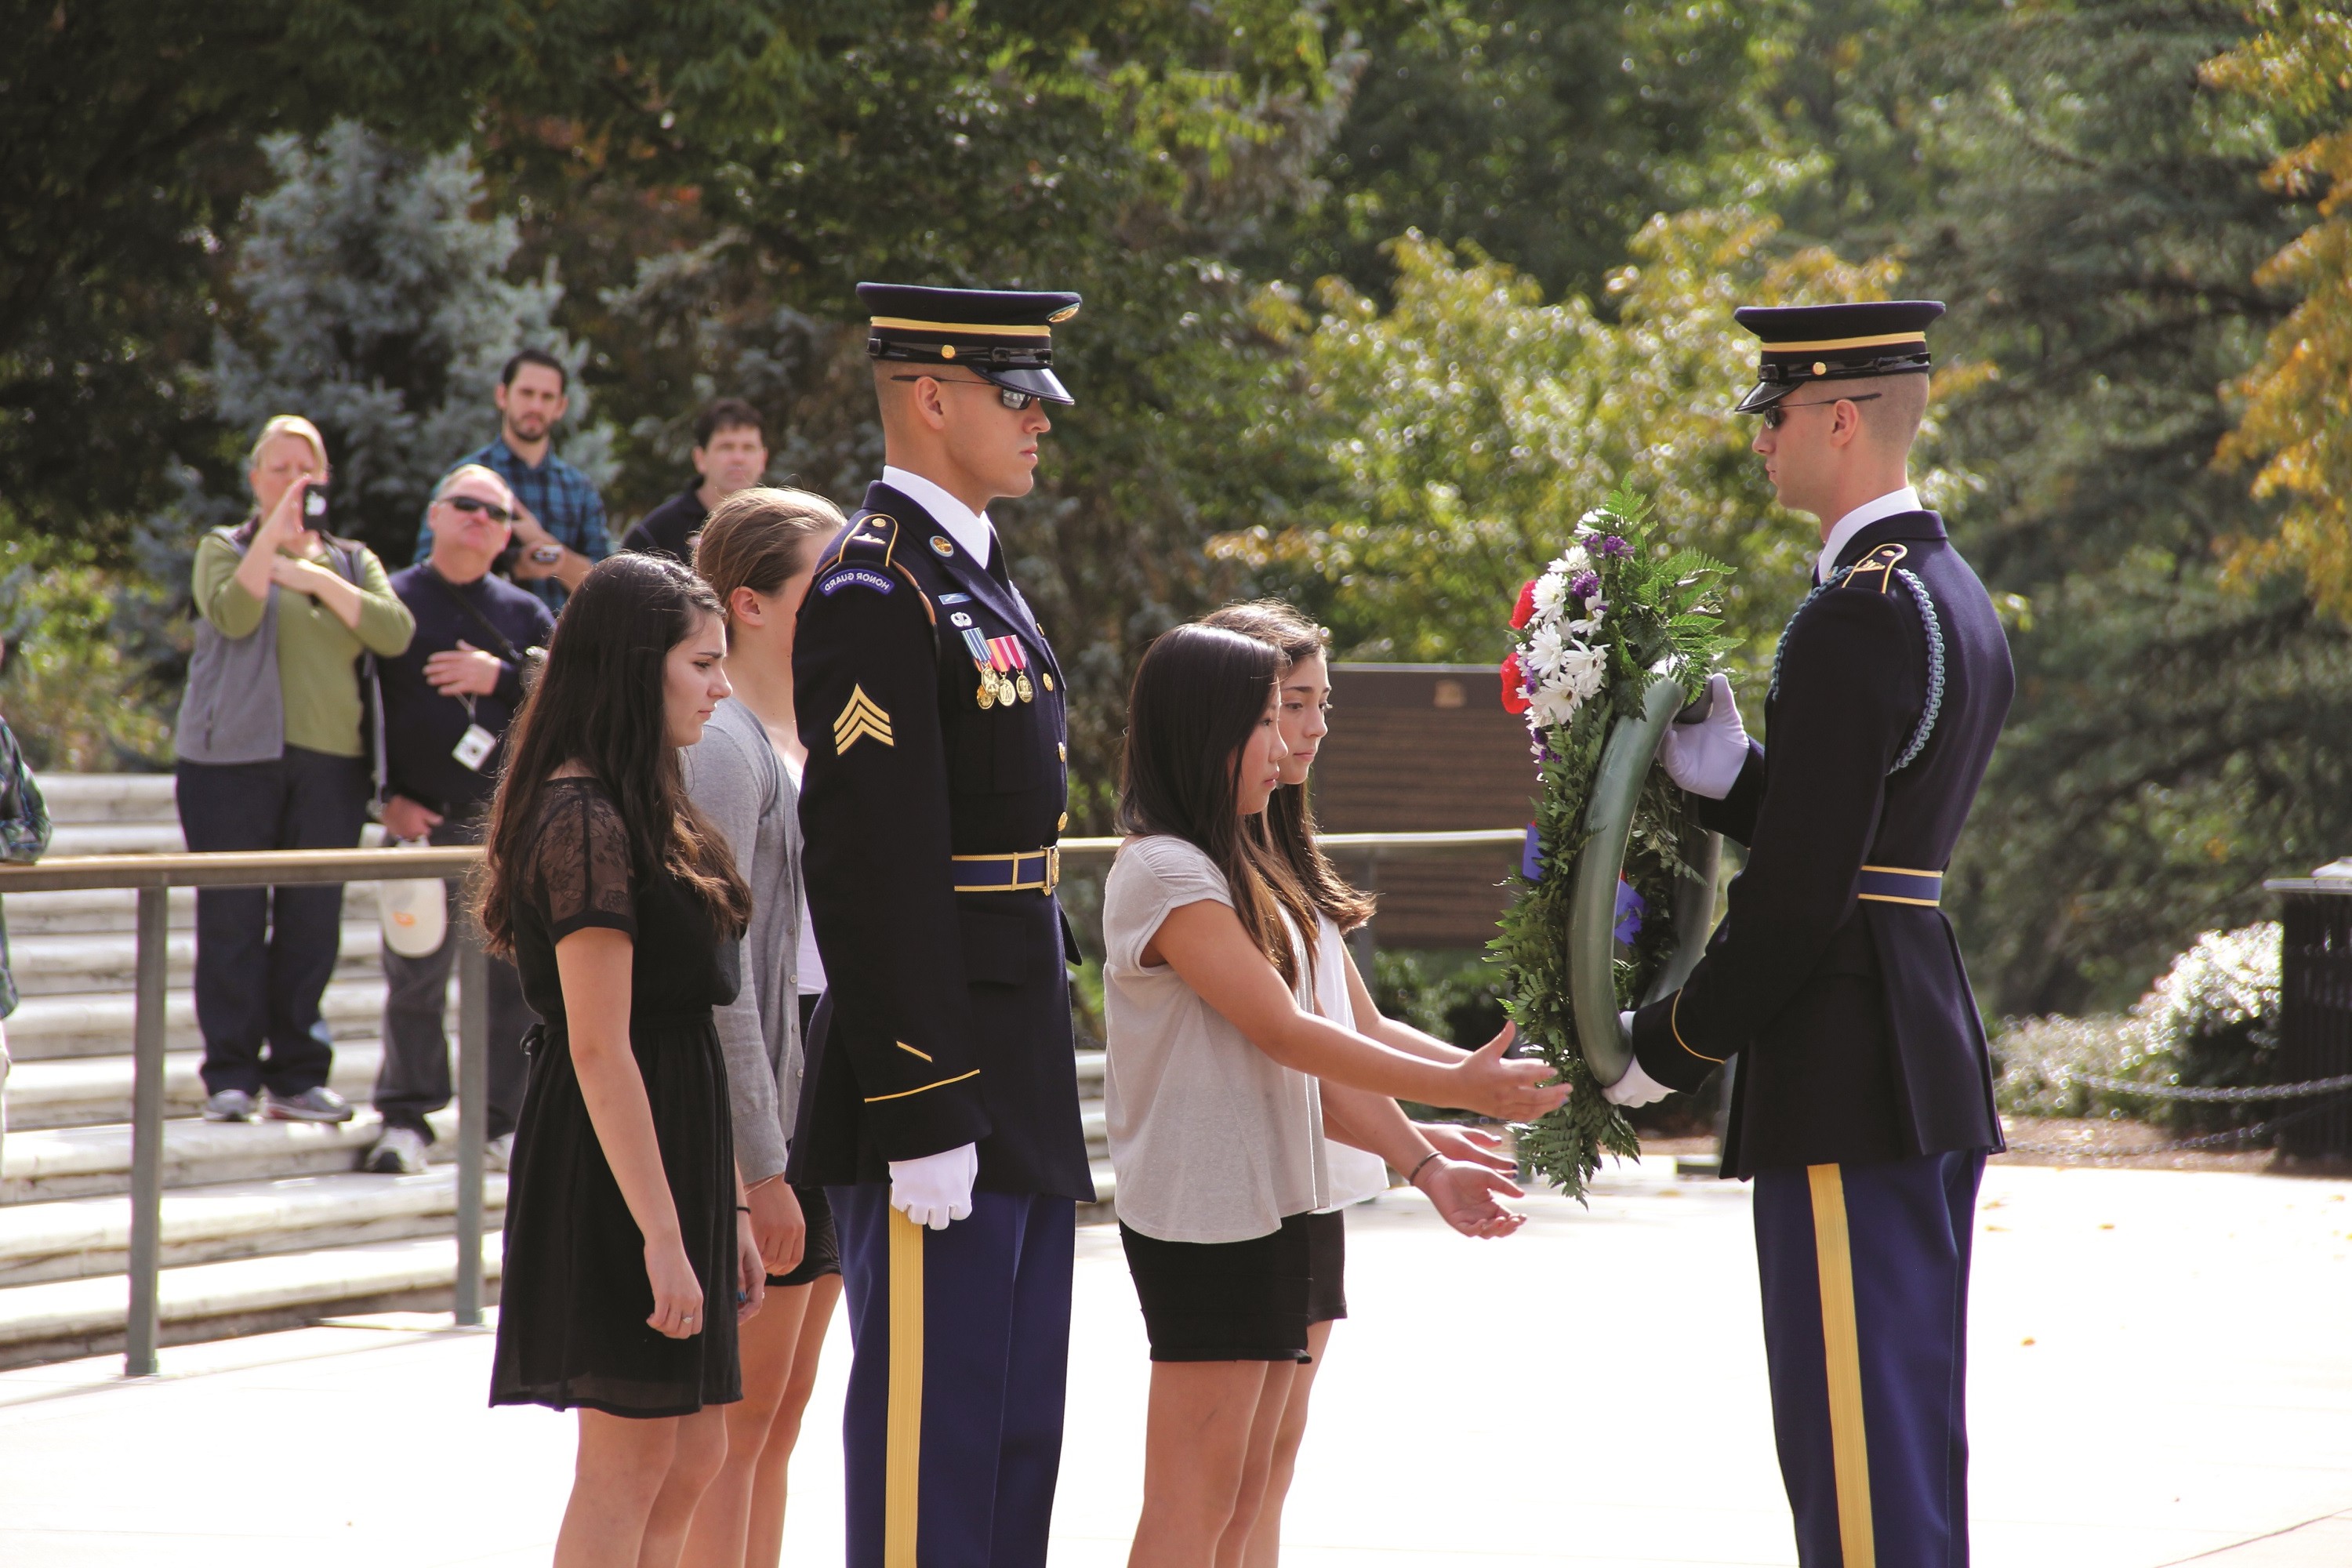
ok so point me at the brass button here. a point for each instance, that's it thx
(1049, 680)
(1063, 824)
(1063, 747)
(1819, 369)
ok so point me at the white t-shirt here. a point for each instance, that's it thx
(1358, 1176)
(1211, 1138)
(811, 967)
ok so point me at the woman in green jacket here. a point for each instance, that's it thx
(272, 756)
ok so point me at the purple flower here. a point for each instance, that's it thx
(1612, 545)
(1584, 585)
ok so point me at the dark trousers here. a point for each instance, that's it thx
(1865, 1271)
(263, 955)
(414, 1080)
(977, 1317)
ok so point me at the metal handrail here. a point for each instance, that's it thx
(153, 876)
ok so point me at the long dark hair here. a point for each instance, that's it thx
(1197, 694)
(599, 702)
(1288, 822)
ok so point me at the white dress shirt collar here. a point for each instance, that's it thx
(968, 528)
(1893, 503)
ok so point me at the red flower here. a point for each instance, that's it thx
(1525, 611)
(1515, 685)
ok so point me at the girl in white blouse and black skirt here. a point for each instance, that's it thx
(1216, 1056)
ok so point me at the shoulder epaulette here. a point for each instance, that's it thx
(865, 555)
(1881, 570)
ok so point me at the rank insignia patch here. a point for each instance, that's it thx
(860, 718)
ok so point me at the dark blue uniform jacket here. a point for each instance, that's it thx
(1851, 1016)
(948, 1013)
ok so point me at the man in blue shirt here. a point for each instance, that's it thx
(448, 702)
(558, 526)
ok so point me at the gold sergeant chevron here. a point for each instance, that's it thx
(860, 718)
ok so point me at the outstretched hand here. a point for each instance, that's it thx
(1472, 1145)
(1464, 1196)
(1494, 1085)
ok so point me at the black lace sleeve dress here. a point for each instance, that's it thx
(573, 1297)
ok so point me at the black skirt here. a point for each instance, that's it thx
(1225, 1300)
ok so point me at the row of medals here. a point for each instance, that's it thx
(996, 687)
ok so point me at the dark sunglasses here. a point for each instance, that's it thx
(1779, 412)
(1015, 401)
(496, 514)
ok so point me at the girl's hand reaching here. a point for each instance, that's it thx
(1464, 1196)
(1494, 1085)
(1472, 1145)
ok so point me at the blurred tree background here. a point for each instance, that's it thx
(1379, 295)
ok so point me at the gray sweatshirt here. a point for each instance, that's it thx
(735, 779)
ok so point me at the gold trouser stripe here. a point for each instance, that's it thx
(1821, 345)
(1842, 1350)
(902, 1451)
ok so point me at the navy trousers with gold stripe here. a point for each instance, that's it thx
(1865, 1271)
(952, 1433)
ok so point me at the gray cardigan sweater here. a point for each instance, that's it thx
(735, 779)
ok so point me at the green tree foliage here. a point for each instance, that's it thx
(1470, 425)
(2297, 421)
(376, 304)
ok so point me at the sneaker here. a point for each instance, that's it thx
(228, 1105)
(498, 1153)
(399, 1152)
(319, 1104)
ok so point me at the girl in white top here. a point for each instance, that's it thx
(1218, 1062)
(1341, 995)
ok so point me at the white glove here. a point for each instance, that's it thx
(1636, 1087)
(1705, 757)
(937, 1188)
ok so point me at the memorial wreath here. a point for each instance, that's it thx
(1615, 892)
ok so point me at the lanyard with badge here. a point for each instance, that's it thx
(475, 746)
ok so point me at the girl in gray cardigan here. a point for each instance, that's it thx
(758, 550)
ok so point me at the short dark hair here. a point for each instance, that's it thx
(536, 356)
(727, 413)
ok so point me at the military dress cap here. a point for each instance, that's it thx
(1834, 343)
(1003, 335)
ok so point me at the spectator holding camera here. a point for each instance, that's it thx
(730, 454)
(271, 756)
(559, 518)
(447, 702)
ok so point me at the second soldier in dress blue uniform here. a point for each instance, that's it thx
(1862, 1095)
(941, 1106)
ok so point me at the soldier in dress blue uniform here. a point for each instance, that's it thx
(942, 1106)
(1863, 1097)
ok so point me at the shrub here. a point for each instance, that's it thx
(2212, 1021)
(2042, 1064)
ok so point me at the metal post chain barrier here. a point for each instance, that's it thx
(2195, 1095)
(2176, 1146)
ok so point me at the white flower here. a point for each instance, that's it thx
(1551, 592)
(1577, 560)
(1543, 651)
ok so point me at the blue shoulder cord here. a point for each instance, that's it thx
(1935, 628)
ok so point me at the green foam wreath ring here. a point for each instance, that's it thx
(1625, 763)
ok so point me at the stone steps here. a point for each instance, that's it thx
(77, 1239)
(66, 963)
(52, 1163)
(64, 1319)
(95, 1024)
(83, 1091)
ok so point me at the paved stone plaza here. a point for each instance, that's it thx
(2162, 1370)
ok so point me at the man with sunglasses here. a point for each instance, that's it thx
(940, 1107)
(1862, 1088)
(447, 705)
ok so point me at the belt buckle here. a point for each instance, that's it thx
(1053, 868)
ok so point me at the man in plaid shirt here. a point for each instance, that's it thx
(559, 527)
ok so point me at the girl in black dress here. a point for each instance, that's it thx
(629, 1257)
